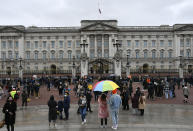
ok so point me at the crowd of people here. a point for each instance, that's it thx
(108, 102)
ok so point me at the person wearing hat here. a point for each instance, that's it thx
(114, 104)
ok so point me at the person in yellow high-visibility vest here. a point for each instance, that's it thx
(13, 92)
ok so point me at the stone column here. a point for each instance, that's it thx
(84, 68)
(128, 72)
(117, 64)
(21, 73)
(117, 67)
(102, 45)
(181, 72)
(84, 65)
(21, 47)
(95, 49)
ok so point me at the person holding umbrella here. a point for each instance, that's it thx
(114, 101)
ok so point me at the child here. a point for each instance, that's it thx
(103, 112)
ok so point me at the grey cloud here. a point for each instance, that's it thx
(71, 12)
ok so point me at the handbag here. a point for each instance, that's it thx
(2, 123)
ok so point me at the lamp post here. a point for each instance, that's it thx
(117, 57)
(116, 44)
(73, 69)
(84, 60)
(84, 45)
(20, 69)
(128, 66)
(181, 72)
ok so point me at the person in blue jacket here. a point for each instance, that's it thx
(66, 105)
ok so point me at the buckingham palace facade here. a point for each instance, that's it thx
(146, 48)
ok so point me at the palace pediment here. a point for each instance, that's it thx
(185, 28)
(11, 29)
(99, 27)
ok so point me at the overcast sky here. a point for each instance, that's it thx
(71, 12)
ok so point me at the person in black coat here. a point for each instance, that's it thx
(9, 109)
(125, 99)
(52, 110)
(24, 98)
(135, 103)
(88, 99)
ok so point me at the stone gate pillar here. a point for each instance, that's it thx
(84, 64)
(117, 64)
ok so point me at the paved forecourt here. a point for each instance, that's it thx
(158, 117)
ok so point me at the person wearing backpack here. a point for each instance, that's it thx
(66, 105)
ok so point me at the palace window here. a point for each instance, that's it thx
(69, 54)
(28, 44)
(10, 55)
(16, 55)
(137, 54)
(99, 41)
(162, 54)
(170, 43)
(69, 44)
(36, 55)
(99, 53)
(52, 54)
(27, 55)
(153, 54)
(106, 53)
(44, 55)
(145, 54)
(16, 44)
(91, 53)
(129, 53)
(36, 44)
(188, 42)
(10, 44)
(92, 41)
(44, 44)
(136, 43)
(78, 54)
(3, 44)
(61, 54)
(3, 55)
(161, 43)
(106, 41)
(61, 44)
(145, 43)
(153, 43)
(53, 44)
(170, 54)
(181, 42)
(78, 43)
(181, 52)
(188, 53)
(129, 43)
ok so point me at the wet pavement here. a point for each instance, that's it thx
(158, 117)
